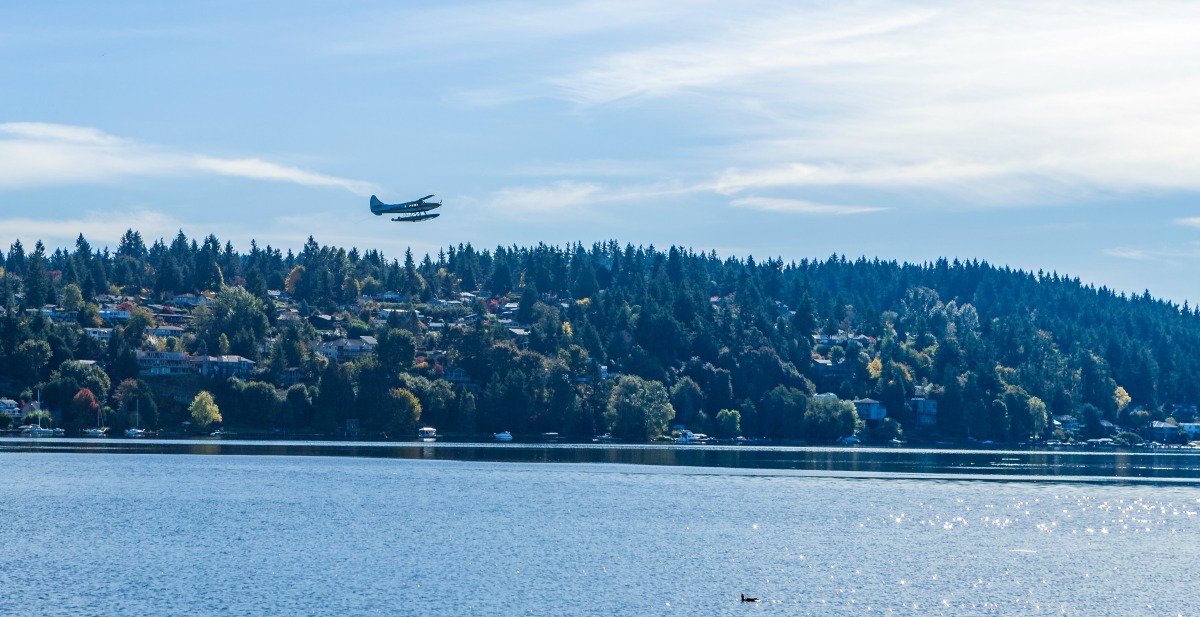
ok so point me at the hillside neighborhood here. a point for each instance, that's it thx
(635, 342)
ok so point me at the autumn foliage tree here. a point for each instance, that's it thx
(83, 410)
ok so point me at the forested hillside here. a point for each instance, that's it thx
(725, 345)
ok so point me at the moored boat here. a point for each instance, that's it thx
(98, 431)
(427, 433)
(135, 430)
(38, 430)
(503, 436)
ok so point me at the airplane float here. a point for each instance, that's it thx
(417, 210)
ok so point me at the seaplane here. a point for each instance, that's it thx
(413, 211)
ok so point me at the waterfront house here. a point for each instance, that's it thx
(11, 409)
(870, 410)
(1164, 432)
(1192, 429)
(1068, 424)
(926, 410)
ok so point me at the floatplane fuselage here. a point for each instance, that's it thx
(408, 207)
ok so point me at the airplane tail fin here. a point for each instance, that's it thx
(375, 202)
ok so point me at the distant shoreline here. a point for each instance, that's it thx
(1160, 465)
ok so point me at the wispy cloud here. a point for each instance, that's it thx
(1128, 253)
(502, 27)
(1174, 256)
(258, 169)
(800, 206)
(801, 174)
(1021, 102)
(748, 50)
(565, 195)
(1190, 221)
(39, 154)
(576, 196)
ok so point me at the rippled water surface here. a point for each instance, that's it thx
(116, 533)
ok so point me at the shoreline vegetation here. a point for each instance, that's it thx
(640, 344)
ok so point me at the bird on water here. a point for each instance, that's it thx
(745, 599)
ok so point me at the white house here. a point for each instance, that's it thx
(11, 409)
(100, 334)
(346, 350)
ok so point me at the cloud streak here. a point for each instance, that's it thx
(570, 195)
(1179, 256)
(799, 206)
(1019, 103)
(40, 154)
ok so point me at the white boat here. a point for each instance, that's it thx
(39, 431)
(99, 431)
(134, 431)
(687, 436)
(427, 433)
(503, 436)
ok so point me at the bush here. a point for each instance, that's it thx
(1127, 439)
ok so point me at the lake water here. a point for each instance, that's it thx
(109, 532)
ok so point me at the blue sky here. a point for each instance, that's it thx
(1058, 136)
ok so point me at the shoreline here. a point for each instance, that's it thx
(1106, 466)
